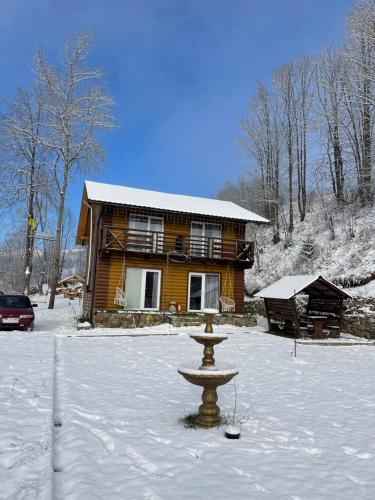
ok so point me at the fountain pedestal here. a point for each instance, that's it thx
(209, 375)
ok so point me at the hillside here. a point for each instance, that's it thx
(340, 244)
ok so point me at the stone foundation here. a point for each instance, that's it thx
(359, 318)
(115, 319)
(255, 307)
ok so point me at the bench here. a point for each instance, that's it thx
(333, 331)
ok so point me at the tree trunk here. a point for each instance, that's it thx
(290, 176)
(338, 164)
(29, 243)
(57, 250)
(365, 187)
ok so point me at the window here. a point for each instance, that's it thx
(204, 291)
(145, 233)
(142, 288)
(205, 239)
(16, 301)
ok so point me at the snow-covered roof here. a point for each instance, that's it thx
(73, 277)
(285, 288)
(122, 195)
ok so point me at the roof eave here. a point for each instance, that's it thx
(244, 221)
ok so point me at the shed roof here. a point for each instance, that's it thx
(73, 278)
(288, 286)
(123, 195)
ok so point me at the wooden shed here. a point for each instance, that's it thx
(304, 305)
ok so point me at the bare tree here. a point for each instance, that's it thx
(304, 96)
(330, 84)
(24, 163)
(261, 141)
(361, 101)
(284, 81)
(77, 109)
(11, 260)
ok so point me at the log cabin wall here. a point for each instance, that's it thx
(174, 276)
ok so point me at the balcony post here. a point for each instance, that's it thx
(104, 237)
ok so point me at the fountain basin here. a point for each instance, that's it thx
(208, 336)
(219, 374)
(210, 339)
(210, 379)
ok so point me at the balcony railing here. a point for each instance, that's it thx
(120, 239)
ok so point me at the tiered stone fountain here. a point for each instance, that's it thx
(210, 375)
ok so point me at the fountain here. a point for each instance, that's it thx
(209, 375)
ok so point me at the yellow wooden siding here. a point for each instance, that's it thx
(174, 285)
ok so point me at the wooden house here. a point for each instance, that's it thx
(151, 251)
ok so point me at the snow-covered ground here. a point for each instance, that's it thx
(117, 402)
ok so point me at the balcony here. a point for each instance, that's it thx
(147, 243)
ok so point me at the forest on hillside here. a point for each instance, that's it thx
(308, 139)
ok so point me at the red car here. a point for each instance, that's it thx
(16, 312)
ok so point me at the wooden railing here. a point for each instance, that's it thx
(120, 239)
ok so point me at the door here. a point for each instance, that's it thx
(204, 291)
(142, 288)
(150, 291)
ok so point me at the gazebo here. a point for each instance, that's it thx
(304, 305)
(71, 286)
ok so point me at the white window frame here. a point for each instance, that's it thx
(149, 217)
(143, 289)
(203, 236)
(155, 243)
(203, 275)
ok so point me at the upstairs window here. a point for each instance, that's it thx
(146, 233)
(205, 239)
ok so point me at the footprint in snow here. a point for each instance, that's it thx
(140, 461)
(148, 494)
(354, 452)
(356, 480)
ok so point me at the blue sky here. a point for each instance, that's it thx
(181, 72)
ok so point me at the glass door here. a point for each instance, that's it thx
(204, 291)
(133, 285)
(151, 289)
(212, 291)
(142, 288)
(195, 292)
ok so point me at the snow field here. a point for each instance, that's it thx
(307, 429)
(307, 434)
(26, 416)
